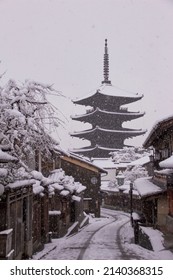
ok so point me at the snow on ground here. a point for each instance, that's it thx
(98, 241)
(156, 239)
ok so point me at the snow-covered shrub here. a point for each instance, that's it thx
(128, 154)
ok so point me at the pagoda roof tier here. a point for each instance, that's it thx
(108, 96)
(97, 115)
(95, 152)
(99, 132)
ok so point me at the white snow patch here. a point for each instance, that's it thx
(7, 231)
(54, 212)
(76, 198)
(37, 175)
(167, 163)
(157, 241)
(3, 172)
(21, 183)
(64, 193)
(140, 161)
(5, 157)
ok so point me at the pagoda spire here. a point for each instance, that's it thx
(106, 65)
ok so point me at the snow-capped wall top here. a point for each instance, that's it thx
(64, 183)
(21, 183)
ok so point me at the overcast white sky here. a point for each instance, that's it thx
(62, 43)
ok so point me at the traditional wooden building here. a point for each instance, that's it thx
(106, 117)
(161, 139)
(88, 175)
(24, 224)
(16, 220)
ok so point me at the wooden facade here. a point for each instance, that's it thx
(16, 214)
(40, 221)
(29, 215)
(59, 214)
(88, 175)
(161, 139)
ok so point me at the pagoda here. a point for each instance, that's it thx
(106, 117)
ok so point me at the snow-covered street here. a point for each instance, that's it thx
(109, 237)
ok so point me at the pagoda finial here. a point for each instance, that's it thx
(106, 65)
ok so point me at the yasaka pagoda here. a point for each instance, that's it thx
(106, 117)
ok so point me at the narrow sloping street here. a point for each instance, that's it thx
(109, 237)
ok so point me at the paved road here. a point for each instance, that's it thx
(99, 240)
(105, 242)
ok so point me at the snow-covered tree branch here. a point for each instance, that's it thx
(25, 112)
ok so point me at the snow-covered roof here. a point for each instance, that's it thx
(155, 126)
(111, 90)
(145, 187)
(60, 150)
(106, 187)
(104, 163)
(84, 159)
(121, 165)
(167, 163)
(141, 161)
(90, 149)
(167, 171)
(92, 112)
(124, 131)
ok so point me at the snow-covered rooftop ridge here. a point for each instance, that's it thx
(98, 128)
(109, 113)
(111, 90)
(156, 125)
(94, 148)
(145, 187)
(85, 160)
(106, 187)
(140, 161)
(60, 150)
(167, 163)
(104, 163)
